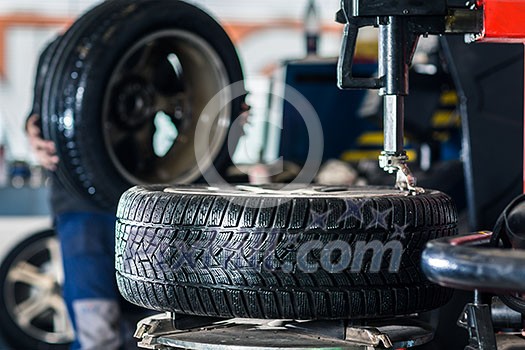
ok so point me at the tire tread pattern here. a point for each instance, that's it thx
(155, 271)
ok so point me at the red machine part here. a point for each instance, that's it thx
(504, 22)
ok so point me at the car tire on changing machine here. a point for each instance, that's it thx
(313, 252)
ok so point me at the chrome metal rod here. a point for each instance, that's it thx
(463, 262)
(393, 123)
(393, 68)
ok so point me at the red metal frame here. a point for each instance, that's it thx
(504, 22)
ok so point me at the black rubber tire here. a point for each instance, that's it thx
(516, 303)
(79, 76)
(39, 334)
(224, 253)
(44, 63)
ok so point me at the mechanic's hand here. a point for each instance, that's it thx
(44, 150)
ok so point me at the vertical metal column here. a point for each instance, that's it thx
(393, 68)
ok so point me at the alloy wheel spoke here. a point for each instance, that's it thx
(29, 274)
(61, 323)
(55, 256)
(31, 308)
(142, 68)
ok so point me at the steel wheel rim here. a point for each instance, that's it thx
(33, 293)
(295, 191)
(203, 76)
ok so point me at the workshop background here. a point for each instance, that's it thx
(271, 42)
(266, 34)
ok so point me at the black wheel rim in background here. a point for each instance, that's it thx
(163, 73)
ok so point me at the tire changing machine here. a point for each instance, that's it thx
(457, 262)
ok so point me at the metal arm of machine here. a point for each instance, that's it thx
(400, 23)
(462, 262)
